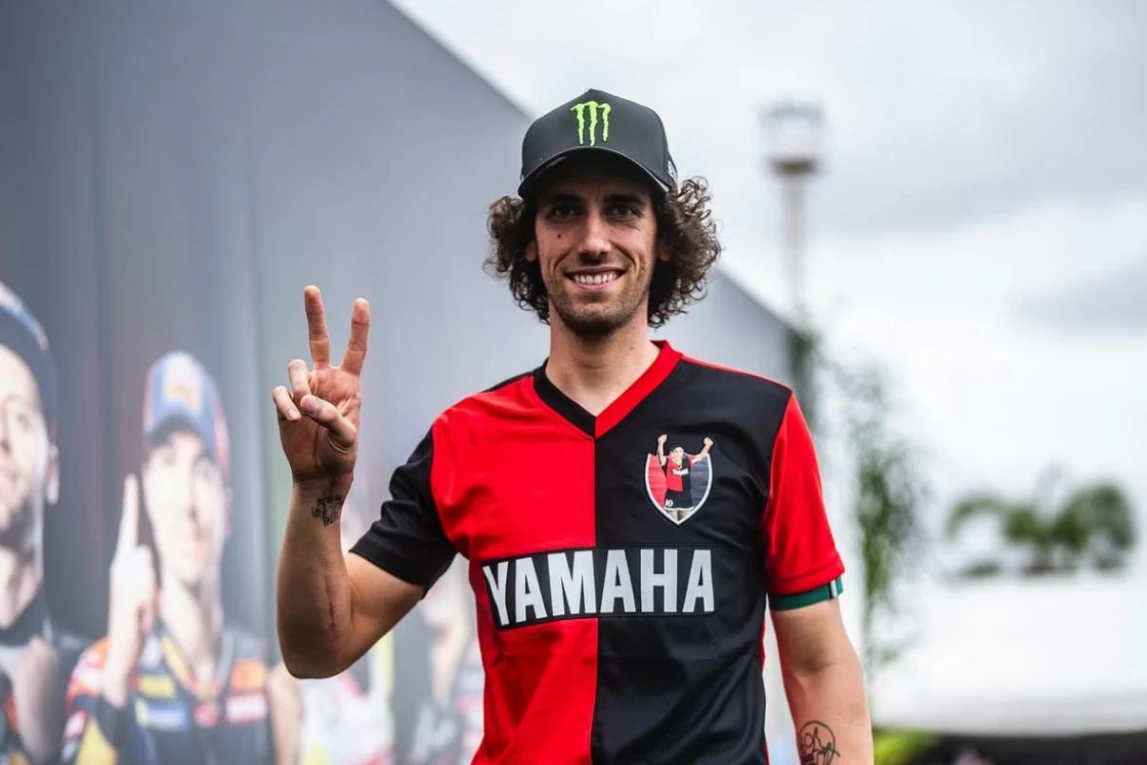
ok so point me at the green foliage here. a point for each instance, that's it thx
(1092, 527)
(900, 747)
(890, 496)
(804, 359)
(889, 491)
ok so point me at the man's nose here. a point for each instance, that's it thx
(595, 243)
(191, 500)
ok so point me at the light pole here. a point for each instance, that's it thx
(794, 133)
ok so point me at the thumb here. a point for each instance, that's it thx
(341, 429)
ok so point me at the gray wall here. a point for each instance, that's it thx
(173, 174)
(732, 328)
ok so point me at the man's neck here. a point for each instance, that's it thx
(194, 619)
(595, 371)
(19, 583)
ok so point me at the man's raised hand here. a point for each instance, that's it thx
(133, 599)
(319, 413)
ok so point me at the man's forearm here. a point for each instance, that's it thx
(313, 588)
(830, 713)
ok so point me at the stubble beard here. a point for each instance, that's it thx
(595, 320)
(19, 532)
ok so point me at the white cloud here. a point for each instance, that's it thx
(1112, 299)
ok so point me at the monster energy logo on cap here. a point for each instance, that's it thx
(593, 107)
(597, 121)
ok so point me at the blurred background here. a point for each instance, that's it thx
(935, 221)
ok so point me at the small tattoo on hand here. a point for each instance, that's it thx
(328, 509)
(817, 744)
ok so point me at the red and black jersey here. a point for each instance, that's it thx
(615, 629)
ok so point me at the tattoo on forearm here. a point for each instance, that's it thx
(817, 744)
(328, 509)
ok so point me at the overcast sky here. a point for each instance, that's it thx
(981, 224)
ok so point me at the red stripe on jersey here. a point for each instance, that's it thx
(535, 709)
(633, 395)
(800, 552)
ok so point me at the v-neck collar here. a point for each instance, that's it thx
(598, 426)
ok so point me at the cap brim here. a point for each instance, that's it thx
(176, 421)
(529, 184)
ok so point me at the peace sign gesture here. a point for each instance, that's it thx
(319, 413)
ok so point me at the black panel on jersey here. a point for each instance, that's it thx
(673, 689)
(407, 539)
(578, 416)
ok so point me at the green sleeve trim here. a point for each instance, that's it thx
(825, 592)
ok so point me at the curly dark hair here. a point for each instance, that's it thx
(684, 224)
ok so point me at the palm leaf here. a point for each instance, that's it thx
(974, 506)
(1024, 526)
(1098, 519)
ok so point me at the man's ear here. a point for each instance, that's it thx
(532, 251)
(664, 252)
(52, 487)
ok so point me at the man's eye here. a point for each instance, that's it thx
(623, 211)
(561, 211)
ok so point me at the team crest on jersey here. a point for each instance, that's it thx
(678, 476)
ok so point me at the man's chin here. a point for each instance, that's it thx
(190, 576)
(17, 529)
(592, 322)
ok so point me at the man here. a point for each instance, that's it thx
(677, 499)
(173, 682)
(609, 633)
(35, 656)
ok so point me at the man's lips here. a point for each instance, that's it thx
(594, 278)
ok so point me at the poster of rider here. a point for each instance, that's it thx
(134, 606)
(50, 470)
(181, 670)
(438, 676)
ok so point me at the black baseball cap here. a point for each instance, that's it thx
(597, 121)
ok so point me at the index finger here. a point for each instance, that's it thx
(359, 333)
(129, 518)
(320, 339)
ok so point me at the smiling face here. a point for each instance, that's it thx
(187, 507)
(595, 241)
(29, 477)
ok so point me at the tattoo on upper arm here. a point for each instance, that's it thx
(328, 509)
(816, 744)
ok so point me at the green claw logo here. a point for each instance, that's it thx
(594, 109)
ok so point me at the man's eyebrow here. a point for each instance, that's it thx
(626, 197)
(567, 198)
(560, 198)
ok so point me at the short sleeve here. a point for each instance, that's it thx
(802, 565)
(407, 539)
